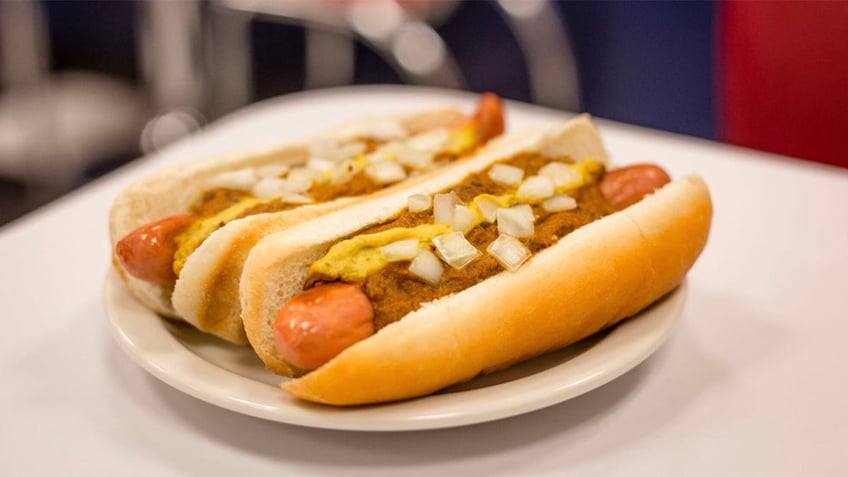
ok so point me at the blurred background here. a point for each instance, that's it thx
(86, 86)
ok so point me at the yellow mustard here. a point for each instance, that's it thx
(360, 256)
(462, 139)
(188, 241)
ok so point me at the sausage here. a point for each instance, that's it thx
(321, 322)
(489, 119)
(147, 252)
(628, 185)
(487, 122)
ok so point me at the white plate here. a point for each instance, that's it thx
(232, 377)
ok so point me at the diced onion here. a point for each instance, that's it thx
(489, 208)
(508, 251)
(350, 150)
(427, 267)
(516, 221)
(274, 187)
(296, 186)
(463, 218)
(385, 172)
(242, 179)
(419, 202)
(560, 173)
(343, 172)
(559, 203)
(386, 152)
(303, 174)
(400, 250)
(455, 250)
(443, 207)
(385, 128)
(536, 187)
(415, 158)
(269, 187)
(272, 170)
(293, 198)
(505, 174)
(430, 141)
(319, 164)
(331, 149)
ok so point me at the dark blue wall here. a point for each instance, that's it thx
(648, 63)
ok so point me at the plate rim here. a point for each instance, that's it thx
(149, 342)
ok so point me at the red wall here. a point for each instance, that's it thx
(783, 78)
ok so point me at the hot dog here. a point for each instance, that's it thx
(180, 236)
(319, 323)
(523, 251)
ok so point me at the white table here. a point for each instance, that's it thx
(752, 381)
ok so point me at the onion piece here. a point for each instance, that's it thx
(560, 173)
(415, 158)
(488, 208)
(536, 187)
(303, 174)
(330, 149)
(463, 218)
(559, 203)
(508, 251)
(443, 207)
(400, 250)
(319, 164)
(505, 174)
(386, 128)
(430, 141)
(272, 170)
(387, 151)
(242, 179)
(455, 250)
(294, 198)
(273, 187)
(516, 221)
(419, 202)
(269, 187)
(427, 267)
(343, 172)
(385, 172)
(294, 185)
(349, 150)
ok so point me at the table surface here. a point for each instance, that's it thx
(751, 382)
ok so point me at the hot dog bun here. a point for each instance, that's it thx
(591, 279)
(173, 191)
